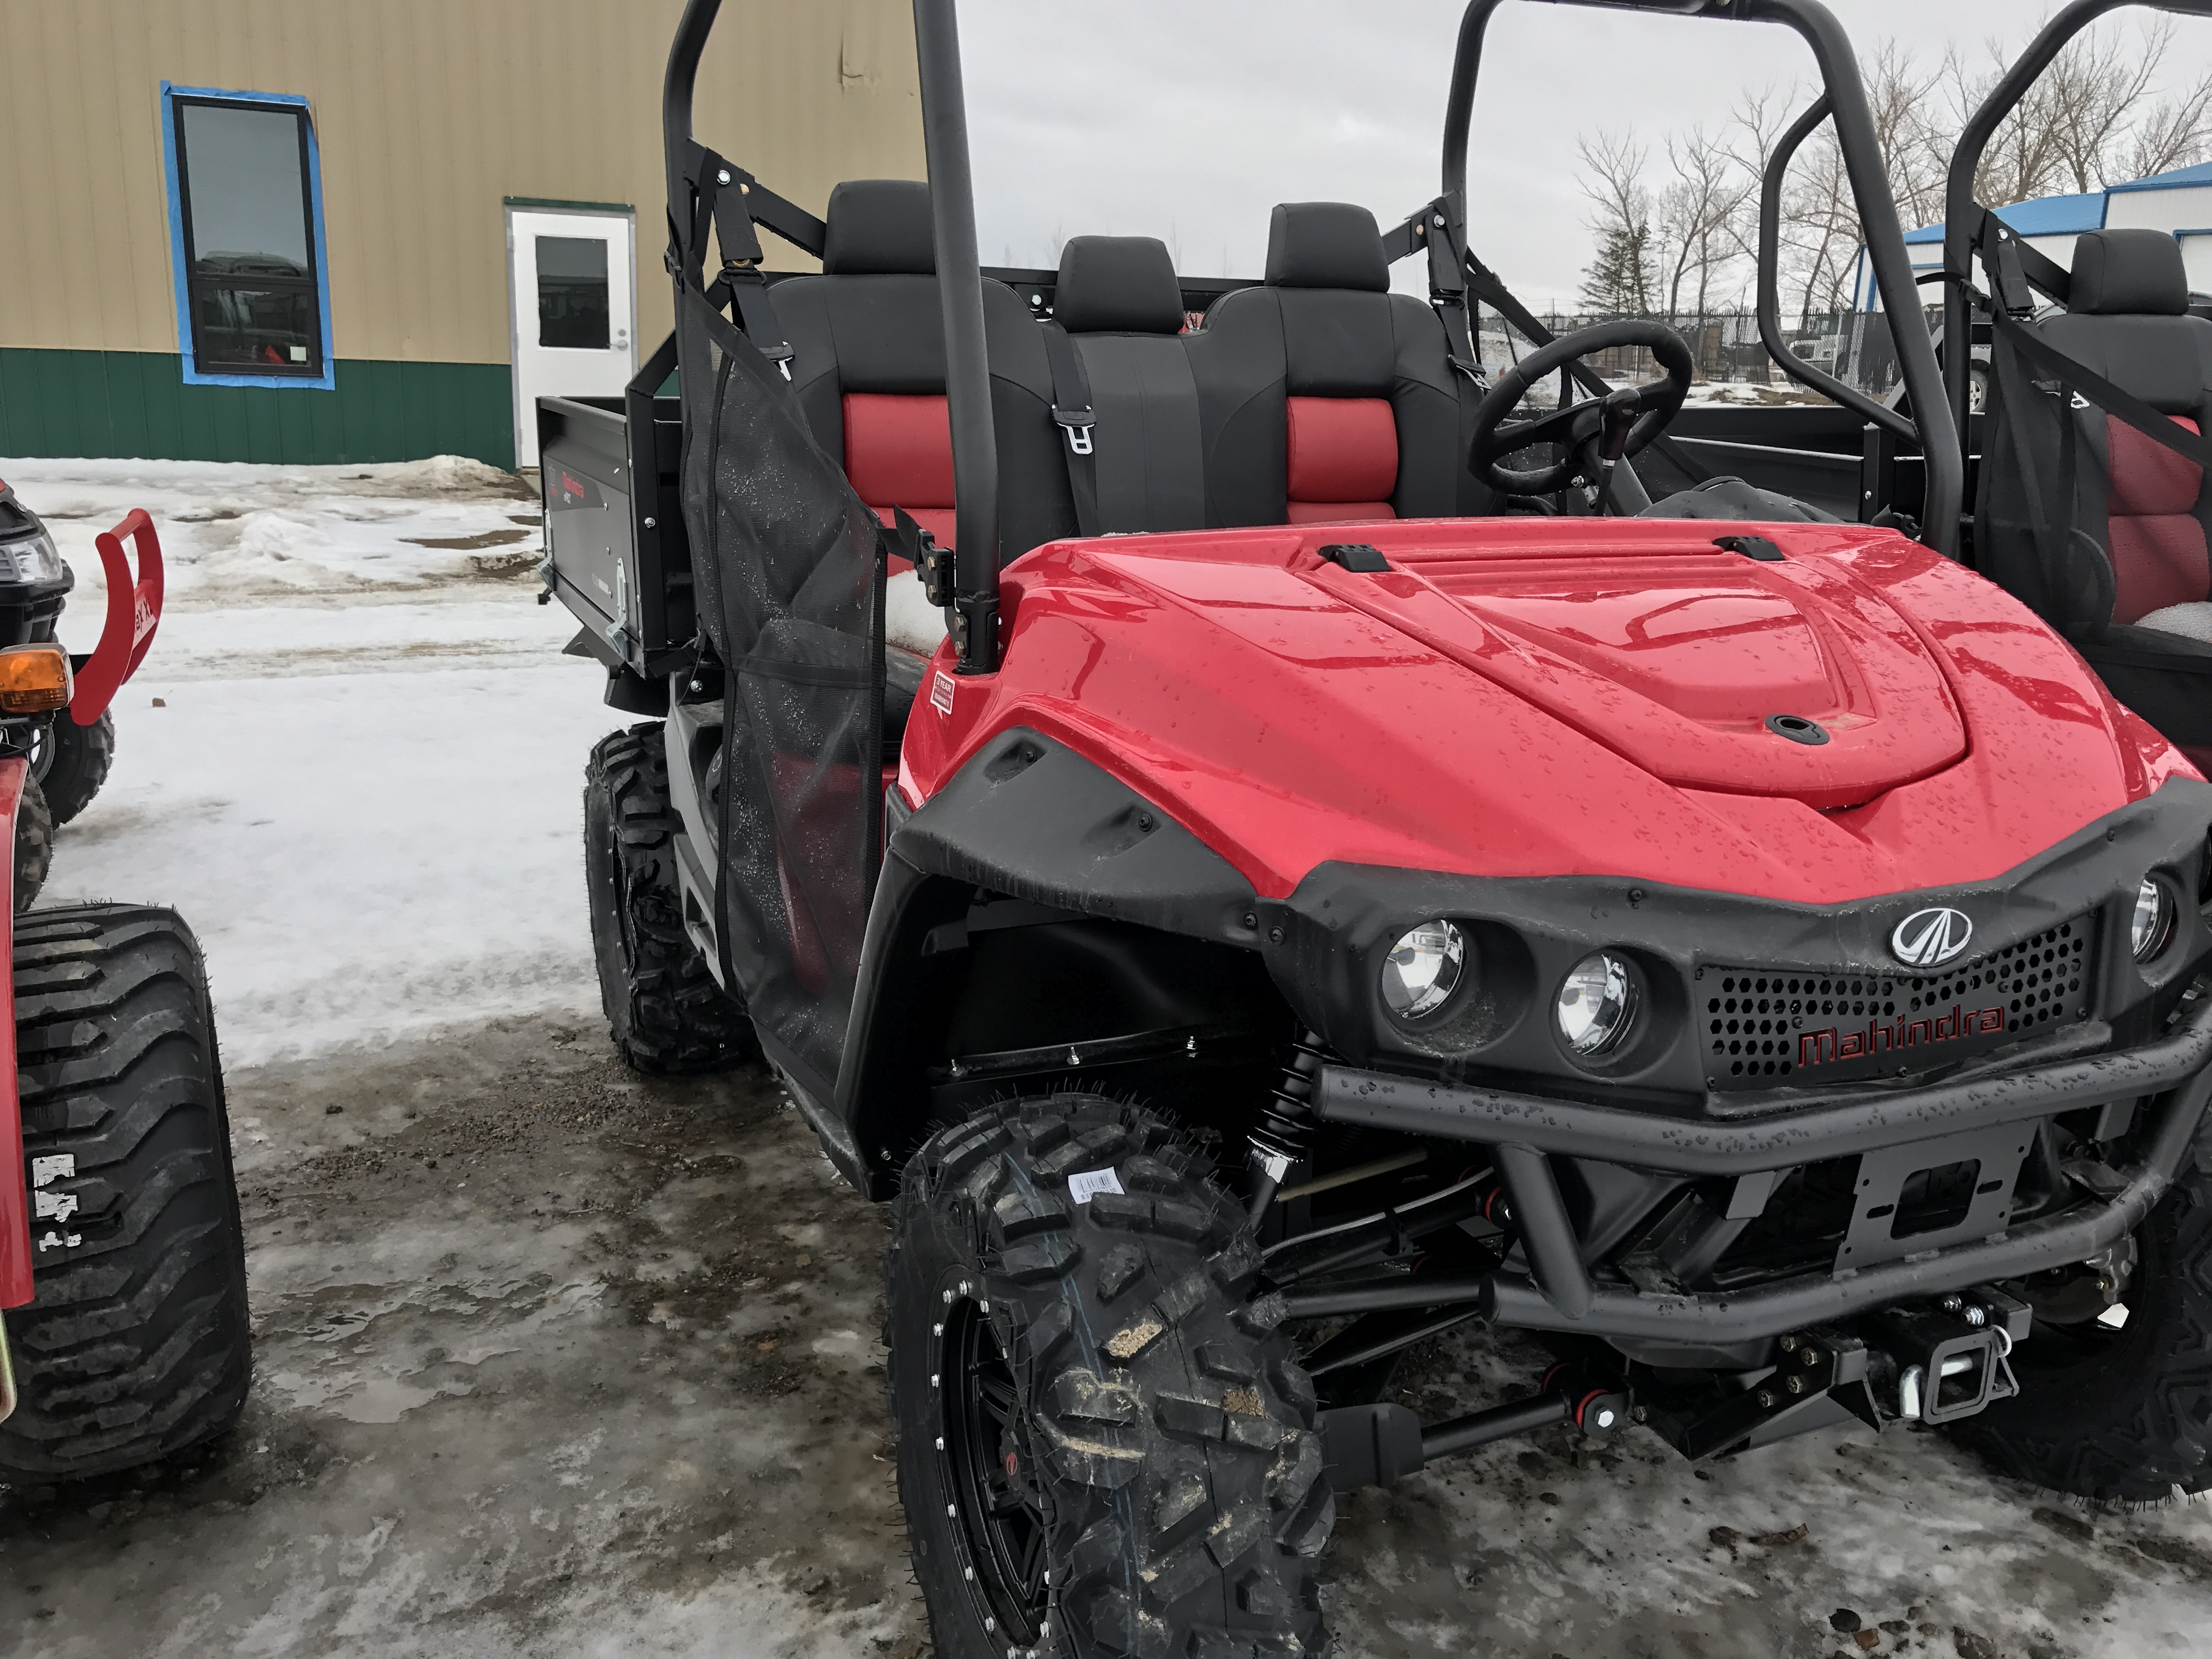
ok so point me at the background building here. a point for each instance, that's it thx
(2179, 203)
(369, 230)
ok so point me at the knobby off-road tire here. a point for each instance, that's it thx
(2122, 1416)
(71, 761)
(34, 843)
(664, 1008)
(1085, 1389)
(136, 1345)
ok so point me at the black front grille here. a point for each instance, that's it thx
(1767, 1027)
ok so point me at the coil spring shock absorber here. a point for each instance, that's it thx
(1283, 1138)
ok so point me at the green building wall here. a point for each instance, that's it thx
(134, 405)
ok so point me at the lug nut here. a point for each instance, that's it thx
(948, 1298)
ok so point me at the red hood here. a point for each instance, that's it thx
(1676, 659)
(1522, 697)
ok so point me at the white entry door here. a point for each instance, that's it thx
(572, 281)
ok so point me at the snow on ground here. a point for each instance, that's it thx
(351, 761)
(230, 528)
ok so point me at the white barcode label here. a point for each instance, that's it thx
(1087, 1184)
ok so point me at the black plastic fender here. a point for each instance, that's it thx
(1028, 818)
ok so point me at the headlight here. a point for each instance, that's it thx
(1423, 969)
(32, 558)
(2153, 924)
(1597, 1004)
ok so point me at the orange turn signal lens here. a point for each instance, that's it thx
(33, 679)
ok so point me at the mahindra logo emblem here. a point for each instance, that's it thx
(1926, 937)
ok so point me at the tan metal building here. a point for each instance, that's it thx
(357, 230)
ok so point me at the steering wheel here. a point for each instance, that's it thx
(1597, 433)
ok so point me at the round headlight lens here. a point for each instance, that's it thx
(2153, 924)
(1423, 969)
(1597, 1004)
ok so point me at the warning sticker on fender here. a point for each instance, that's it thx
(940, 693)
(1086, 1184)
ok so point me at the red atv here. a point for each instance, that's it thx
(1361, 868)
(123, 1317)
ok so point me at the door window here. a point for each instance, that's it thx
(573, 306)
(244, 180)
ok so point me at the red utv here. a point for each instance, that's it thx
(1353, 867)
(123, 1318)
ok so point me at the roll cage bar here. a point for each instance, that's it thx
(702, 187)
(1968, 225)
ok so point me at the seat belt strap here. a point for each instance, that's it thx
(2094, 388)
(740, 284)
(1071, 409)
(2051, 503)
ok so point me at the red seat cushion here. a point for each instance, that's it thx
(2159, 552)
(1343, 459)
(898, 453)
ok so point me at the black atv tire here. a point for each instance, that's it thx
(71, 762)
(2122, 1416)
(34, 843)
(665, 1009)
(1165, 1471)
(137, 1344)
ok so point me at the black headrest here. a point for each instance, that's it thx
(1326, 244)
(1117, 285)
(2132, 273)
(878, 227)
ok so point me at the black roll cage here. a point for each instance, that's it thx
(1967, 224)
(1440, 226)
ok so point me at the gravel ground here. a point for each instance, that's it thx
(553, 1359)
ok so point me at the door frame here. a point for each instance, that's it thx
(511, 205)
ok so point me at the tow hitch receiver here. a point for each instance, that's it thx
(1951, 1355)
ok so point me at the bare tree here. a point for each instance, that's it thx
(1619, 279)
(1698, 210)
(2095, 118)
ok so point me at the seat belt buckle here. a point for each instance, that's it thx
(1077, 423)
(781, 355)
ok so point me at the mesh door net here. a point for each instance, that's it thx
(790, 596)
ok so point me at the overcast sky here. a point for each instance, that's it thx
(1188, 120)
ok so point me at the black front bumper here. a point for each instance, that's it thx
(2169, 1079)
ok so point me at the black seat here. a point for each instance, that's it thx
(867, 340)
(1122, 307)
(1324, 397)
(2132, 583)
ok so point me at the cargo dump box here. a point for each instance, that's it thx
(616, 553)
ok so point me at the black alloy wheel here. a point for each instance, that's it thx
(990, 1466)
